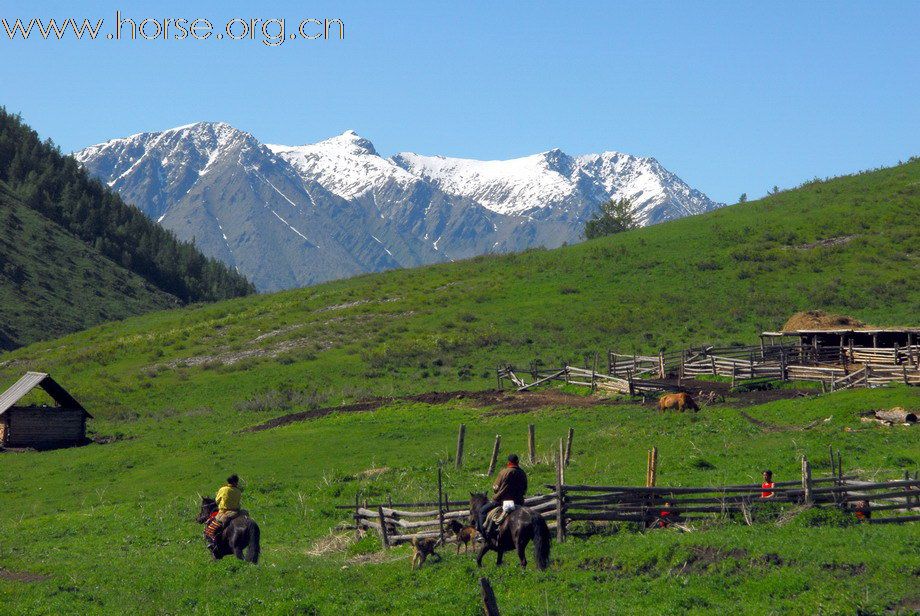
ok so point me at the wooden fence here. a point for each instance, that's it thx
(627, 384)
(652, 505)
(402, 522)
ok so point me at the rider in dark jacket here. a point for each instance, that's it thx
(510, 485)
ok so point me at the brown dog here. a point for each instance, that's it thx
(679, 401)
(422, 549)
(464, 534)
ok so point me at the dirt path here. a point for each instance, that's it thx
(502, 401)
(512, 402)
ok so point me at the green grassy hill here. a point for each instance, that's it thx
(108, 527)
(38, 177)
(51, 283)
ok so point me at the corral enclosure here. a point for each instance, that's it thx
(39, 426)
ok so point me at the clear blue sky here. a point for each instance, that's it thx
(732, 96)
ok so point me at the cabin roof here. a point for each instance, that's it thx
(31, 380)
(846, 330)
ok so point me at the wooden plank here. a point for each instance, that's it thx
(489, 604)
(461, 434)
(494, 459)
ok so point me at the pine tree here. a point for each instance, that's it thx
(614, 216)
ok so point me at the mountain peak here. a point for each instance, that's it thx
(349, 142)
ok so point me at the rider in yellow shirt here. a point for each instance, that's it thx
(228, 497)
(228, 507)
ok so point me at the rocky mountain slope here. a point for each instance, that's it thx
(288, 216)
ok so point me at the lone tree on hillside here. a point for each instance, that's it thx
(614, 216)
(742, 198)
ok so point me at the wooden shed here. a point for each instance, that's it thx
(41, 427)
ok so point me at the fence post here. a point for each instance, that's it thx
(357, 515)
(498, 440)
(384, 536)
(498, 376)
(460, 437)
(568, 446)
(712, 360)
(907, 499)
(839, 466)
(440, 506)
(560, 523)
(661, 373)
(489, 604)
(651, 467)
(806, 479)
(531, 444)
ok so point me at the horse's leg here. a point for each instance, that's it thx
(521, 546)
(482, 552)
(236, 544)
(498, 560)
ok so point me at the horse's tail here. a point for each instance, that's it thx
(252, 552)
(541, 541)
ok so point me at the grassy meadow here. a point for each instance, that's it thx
(108, 528)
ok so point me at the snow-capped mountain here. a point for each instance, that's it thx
(294, 215)
(556, 185)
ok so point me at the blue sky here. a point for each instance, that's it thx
(732, 96)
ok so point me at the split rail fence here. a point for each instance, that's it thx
(898, 501)
(834, 368)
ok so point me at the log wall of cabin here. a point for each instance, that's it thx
(44, 427)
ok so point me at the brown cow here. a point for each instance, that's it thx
(679, 401)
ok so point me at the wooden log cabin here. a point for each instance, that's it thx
(884, 345)
(41, 426)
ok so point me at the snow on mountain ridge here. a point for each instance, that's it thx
(347, 165)
(293, 215)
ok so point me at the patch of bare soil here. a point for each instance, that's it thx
(768, 427)
(845, 569)
(907, 605)
(722, 390)
(702, 557)
(375, 558)
(100, 439)
(22, 576)
(827, 243)
(505, 402)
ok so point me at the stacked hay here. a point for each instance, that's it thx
(818, 319)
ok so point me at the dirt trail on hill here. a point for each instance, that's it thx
(503, 401)
(513, 402)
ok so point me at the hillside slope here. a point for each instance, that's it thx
(56, 187)
(51, 283)
(172, 393)
(722, 277)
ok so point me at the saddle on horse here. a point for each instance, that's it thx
(496, 516)
(217, 522)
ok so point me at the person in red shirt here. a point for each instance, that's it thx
(767, 485)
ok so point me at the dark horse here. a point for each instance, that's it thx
(514, 533)
(241, 533)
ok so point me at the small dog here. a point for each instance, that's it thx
(464, 534)
(422, 549)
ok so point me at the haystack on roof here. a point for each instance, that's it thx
(818, 320)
